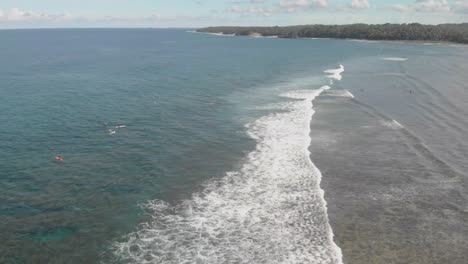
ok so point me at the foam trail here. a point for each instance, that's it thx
(270, 211)
(340, 93)
(398, 124)
(335, 73)
(392, 124)
(395, 59)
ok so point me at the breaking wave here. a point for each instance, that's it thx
(270, 211)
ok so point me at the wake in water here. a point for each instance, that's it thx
(270, 211)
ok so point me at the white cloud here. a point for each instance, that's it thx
(461, 6)
(16, 14)
(248, 10)
(284, 6)
(295, 5)
(320, 3)
(399, 8)
(15, 17)
(292, 5)
(360, 4)
(431, 5)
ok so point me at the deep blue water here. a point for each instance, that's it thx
(144, 115)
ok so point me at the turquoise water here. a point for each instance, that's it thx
(178, 147)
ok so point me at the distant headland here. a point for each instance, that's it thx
(457, 33)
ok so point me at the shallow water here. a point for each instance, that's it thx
(394, 159)
(192, 147)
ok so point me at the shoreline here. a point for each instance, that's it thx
(455, 33)
(429, 42)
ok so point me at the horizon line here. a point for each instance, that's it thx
(292, 25)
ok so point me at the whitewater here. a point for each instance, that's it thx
(270, 211)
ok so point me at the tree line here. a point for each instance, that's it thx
(415, 32)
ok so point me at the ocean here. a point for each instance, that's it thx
(169, 146)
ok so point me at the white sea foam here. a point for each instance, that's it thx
(317, 38)
(222, 34)
(459, 45)
(365, 40)
(275, 106)
(270, 211)
(255, 35)
(209, 33)
(392, 124)
(340, 93)
(395, 59)
(335, 73)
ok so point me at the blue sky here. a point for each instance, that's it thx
(199, 13)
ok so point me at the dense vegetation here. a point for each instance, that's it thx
(444, 32)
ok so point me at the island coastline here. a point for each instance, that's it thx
(443, 33)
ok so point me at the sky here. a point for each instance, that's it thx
(201, 13)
